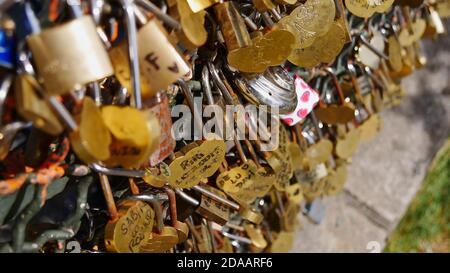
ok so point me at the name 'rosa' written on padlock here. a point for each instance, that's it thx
(200, 162)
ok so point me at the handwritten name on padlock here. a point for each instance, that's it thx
(200, 162)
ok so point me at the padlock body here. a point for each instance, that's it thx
(160, 62)
(69, 56)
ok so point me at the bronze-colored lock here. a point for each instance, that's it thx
(341, 19)
(203, 238)
(159, 105)
(120, 61)
(198, 5)
(163, 238)
(333, 114)
(256, 236)
(160, 62)
(192, 33)
(232, 26)
(69, 56)
(131, 229)
(182, 228)
(264, 5)
(246, 212)
(212, 209)
(34, 108)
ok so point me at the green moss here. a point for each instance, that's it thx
(426, 225)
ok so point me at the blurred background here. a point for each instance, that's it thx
(397, 195)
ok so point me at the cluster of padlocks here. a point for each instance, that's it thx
(104, 104)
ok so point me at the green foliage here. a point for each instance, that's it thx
(426, 225)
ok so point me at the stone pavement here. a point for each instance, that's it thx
(387, 172)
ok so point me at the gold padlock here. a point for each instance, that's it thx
(69, 56)
(212, 209)
(232, 26)
(163, 238)
(198, 5)
(34, 108)
(160, 62)
(131, 229)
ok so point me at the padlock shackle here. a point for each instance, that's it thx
(133, 56)
(158, 215)
(237, 238)
(374, 50)
(187, 198)
(198, 122)
(147, 198)
(206, 85)
(207, 90)
(218, 81)
(96, 7)
(8, 133)
(316, 125)
(252, 152)
(374, 78)
(117, 171)
(167, 19)
(35, 27)
(75, 8)
(4, 90)
(109, 197)
(96, 91)
(216, 197)
(172, 205)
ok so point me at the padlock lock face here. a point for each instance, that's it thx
(160, 62)
(69, 56)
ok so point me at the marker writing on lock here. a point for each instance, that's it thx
(192, 263)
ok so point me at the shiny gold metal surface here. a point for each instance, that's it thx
(69, 56)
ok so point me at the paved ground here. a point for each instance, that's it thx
(387, 172)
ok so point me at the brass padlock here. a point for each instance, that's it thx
(264, 5)
(131, 229)
(160, 62)
(121, 63)
(163, 238)
(182, 228)
(232, 26)
(212, 209)
(159, 105)
(198, 5)
(34, 108)
(69, 56)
